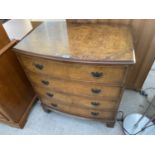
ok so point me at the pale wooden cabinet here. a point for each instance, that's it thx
(16, 93)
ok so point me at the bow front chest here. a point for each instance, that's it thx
(79, 69)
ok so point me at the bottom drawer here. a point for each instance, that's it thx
(79, 111)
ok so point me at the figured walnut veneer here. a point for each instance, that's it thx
(78, 69)
(76, 42)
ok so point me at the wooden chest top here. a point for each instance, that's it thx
(91, 43)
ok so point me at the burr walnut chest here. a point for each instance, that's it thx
(79, 69)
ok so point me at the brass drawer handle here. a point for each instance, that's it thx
(45, 82)
(95, 113)
(49, 94)
(54, 105)
(96, 91)
(97, 74)
(39, 66)
(95, 103)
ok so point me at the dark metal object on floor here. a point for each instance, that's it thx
(136, 123)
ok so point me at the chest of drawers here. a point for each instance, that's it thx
(78, 69)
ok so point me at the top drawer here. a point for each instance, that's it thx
(113, 74)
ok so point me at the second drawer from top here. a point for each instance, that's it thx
(75, 88)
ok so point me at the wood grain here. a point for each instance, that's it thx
(8, 46)
(3, 117)
(80, 42)
(74, 71)
(4, 39)
(83, 102)
(73, 87)
(87, 113)
(16, 93)
(143, 31)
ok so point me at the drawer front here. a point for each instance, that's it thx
(75, 88)
(88, 113)
(82, 102)
(113, 74)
